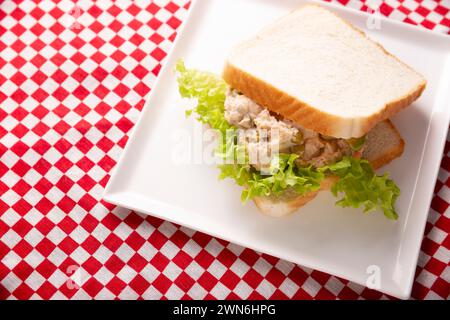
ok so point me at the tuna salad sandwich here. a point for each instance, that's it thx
(304, 106)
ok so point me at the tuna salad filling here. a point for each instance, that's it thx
(264, 131)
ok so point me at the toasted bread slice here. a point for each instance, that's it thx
(383, 145)
(317, 70)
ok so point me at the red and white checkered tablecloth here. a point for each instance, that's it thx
(73, 78)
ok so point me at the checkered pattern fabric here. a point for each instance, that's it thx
(73, 78)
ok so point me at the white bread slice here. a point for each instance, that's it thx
(315, 69)
(280, 207)
(383, 145)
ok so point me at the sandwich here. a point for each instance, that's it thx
(304, 106)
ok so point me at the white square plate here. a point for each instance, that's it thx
(342, 242)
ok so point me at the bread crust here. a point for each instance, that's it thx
(279, 208)
(307, 115)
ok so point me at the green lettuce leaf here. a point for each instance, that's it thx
(283, 175)
(209, 90)
(358, 184)
(361, 187)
